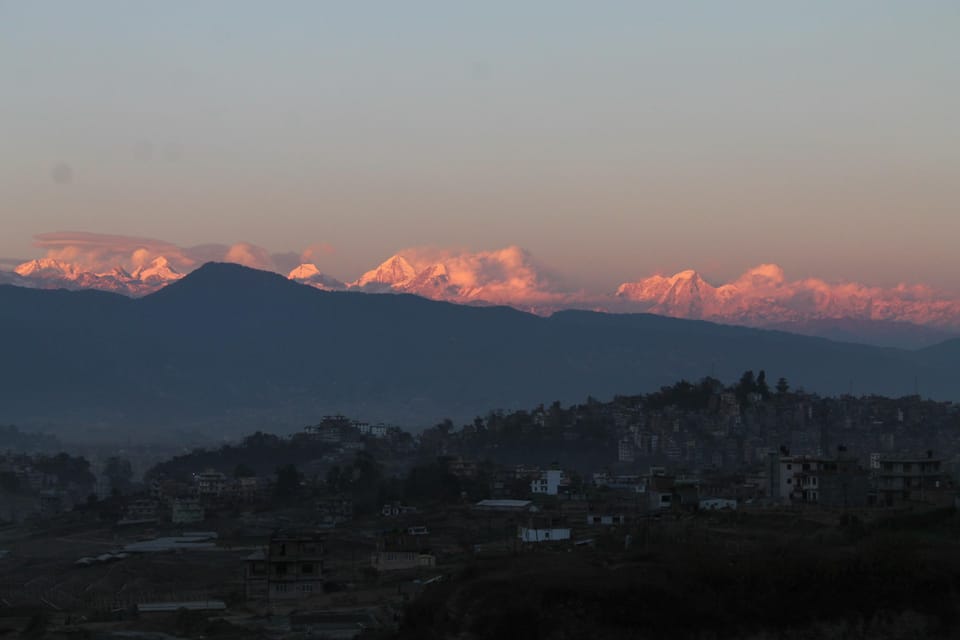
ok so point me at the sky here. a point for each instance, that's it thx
(611, 140)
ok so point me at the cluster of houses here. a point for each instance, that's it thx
(28, 491)
(187, 502)
(799, 481)
(338, 429)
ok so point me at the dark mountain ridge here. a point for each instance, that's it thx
(227, 349)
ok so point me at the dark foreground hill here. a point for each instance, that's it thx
(229, 349)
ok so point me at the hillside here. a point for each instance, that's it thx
(227, 348)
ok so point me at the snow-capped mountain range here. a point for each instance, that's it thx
(761, 297)
(48, 273)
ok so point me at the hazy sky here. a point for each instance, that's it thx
(610, 139)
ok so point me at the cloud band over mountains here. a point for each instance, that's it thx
(762, 296)
(100, 252)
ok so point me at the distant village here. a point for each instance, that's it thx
(337, 528)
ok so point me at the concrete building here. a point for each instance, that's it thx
(548, 483)
(605, 519)
(505, 505)
(543, 529)
(378, 430)
(660, 492)
(541, 534)
(291, 568)
(622, 482)
(829, 482)
(910, 478)
(716, 504)
(142, 510)
(334, 510)
(52, 503)
(186, 511)
(401, 560)
(210, 483)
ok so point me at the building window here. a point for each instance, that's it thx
(307, 568)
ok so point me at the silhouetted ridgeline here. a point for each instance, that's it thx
(15, 440)
(231, 349)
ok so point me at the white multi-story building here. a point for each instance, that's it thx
(210, 483)
(548, 483)
(185, 511)
(543, 534)
(378, 430)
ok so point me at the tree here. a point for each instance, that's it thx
(746, 386)
(782, 386)
(9, 481)
(119, 472)
(244, 471)
(430, 482)
(761, 386)
(261, 440)
(288, 481)
(338, 480)
(367, 470)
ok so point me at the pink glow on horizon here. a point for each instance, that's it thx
(761, 295)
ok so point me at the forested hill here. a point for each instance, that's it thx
(228, 349)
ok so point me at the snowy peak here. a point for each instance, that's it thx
(304, 272)
(158, 271)
(308, 273)
(48, 273)
(395, 272)
(47, 268)
(763, 296)
(501, 276)
(432, 282)
(685, 294)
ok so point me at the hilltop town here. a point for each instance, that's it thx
(353, 529)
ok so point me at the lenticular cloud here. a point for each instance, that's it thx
(100, 252)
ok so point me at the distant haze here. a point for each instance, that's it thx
(611, 141)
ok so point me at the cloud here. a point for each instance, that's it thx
(316, 252)
(287, 261)
(503, 276)
(249, 255)
(100, 252)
